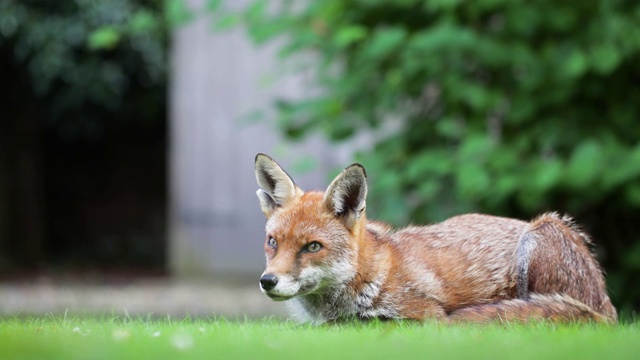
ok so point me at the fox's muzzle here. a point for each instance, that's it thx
(279, 287)
(268, 281)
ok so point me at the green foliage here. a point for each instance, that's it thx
(177, 12)
(113, 338)
(506, 107)
(86, 59)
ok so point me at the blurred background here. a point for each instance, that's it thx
(128, 130)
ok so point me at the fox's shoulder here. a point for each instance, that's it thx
(379, 229)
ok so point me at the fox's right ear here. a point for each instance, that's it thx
(276, 186)
(347, 194)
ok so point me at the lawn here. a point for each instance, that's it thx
(123, 338)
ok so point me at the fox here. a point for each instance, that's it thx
(329, 263)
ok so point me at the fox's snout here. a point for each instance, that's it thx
(268, 281)
(281, 287)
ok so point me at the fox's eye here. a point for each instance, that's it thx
(272, 242)
(314, 246)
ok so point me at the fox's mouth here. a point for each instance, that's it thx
(305, 290)
(275, 297)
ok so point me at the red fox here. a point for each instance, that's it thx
(330, 263)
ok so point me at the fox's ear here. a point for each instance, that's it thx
(276, 186)
(346, 195)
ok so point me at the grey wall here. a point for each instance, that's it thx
(216, 80)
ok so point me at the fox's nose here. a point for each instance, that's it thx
(268, 281)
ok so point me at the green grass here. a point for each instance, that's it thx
(91, 338)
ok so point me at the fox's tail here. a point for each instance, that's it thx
(552, 307)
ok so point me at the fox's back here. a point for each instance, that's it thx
(468, 259)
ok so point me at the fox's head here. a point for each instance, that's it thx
(309, 235)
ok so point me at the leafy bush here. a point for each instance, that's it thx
(507, 107)
(86, 59)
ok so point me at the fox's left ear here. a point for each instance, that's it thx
(346, 195)
(277, 188)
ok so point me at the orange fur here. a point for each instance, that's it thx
(472, 267)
